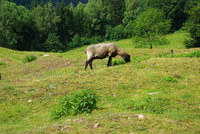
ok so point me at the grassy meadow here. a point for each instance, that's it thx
(162, 88)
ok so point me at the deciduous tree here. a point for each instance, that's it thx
(150, 25)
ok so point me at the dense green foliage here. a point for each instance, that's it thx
(77, 103)
(28, 2)
(59, 26)
(193, 26)
(15, 26)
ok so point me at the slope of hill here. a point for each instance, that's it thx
(163, 89)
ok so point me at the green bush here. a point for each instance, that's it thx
(150, 104)
(77, 103)
(29, 58)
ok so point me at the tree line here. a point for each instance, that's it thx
(47, 27)
(27, 4)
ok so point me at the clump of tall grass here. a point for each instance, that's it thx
(118, 62)
(2, 63)
(29, 58)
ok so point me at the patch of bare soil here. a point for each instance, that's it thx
(53, 63)
(45, 64)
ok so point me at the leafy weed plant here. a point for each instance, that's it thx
(77, 103)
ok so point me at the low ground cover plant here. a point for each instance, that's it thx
(148, 104)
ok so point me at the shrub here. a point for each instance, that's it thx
(149, 104)
(29, 58)
(77, 103)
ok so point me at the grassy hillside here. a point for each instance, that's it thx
(29, 92)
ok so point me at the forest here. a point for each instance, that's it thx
(58, 27)
(27, 2)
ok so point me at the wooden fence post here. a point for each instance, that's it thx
(172, 52)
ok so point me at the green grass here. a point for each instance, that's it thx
(156, 105)
(192, 54)
(175, 40)
(27, 99)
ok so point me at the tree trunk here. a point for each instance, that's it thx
(151, 46)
